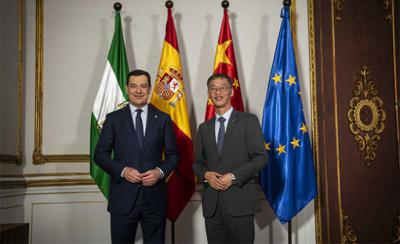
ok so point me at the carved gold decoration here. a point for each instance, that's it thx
(339, 6)
(386, 5)
(348, 231)
(396, 230)
(366, 116)
(38, 157)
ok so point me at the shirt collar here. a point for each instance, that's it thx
(144, 109)
(226, 115)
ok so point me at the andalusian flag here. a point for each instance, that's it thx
(111, 96)
(169, 97)
(225, 63)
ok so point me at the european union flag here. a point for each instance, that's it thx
(288, 180)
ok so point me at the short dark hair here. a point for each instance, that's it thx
(219, 76)
(138, 72)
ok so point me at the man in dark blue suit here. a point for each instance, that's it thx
(130, 150)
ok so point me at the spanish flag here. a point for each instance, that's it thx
(225, 63)
(169, 96)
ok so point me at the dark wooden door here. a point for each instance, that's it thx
(355, 55)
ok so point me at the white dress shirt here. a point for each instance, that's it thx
(143, 115)
(226, 115)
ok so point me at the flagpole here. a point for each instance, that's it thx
(290, 232)
(225, 4)
(117, 6)
(169, 5)
(286, 3)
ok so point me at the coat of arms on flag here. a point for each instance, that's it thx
(168, 84)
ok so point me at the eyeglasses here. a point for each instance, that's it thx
(222, 89)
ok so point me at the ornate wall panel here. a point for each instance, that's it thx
(356, 119)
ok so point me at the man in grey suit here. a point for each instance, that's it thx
(229, 153)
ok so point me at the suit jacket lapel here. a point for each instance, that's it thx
(151, 123)
(129, 123)
(211, 135)
(229, 130)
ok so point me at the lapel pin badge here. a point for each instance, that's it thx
(155, 116)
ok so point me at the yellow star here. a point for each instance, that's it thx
(303, 128)
(209, 102)
(291, 80)
(235, 83)
(276, 78)
(220, 56)
(267, 146)
(281, 149)
(295, 143)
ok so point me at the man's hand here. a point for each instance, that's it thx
(132, 175)
(150, 177)
(226, 180)
(213, 180)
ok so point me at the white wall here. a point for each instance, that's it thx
(77, 36)
(8, 76)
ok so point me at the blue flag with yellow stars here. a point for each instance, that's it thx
(288, 179)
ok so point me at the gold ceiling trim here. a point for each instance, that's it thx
(38, 157)
(366, 116)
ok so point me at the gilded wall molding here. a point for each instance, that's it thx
(45, 174)
(348, 231)
(7, 158)
(336, 120)
(314, 118)
(339, 7)
(38, 157)
(59, 182)
(396, 230)
(395, 70)
(44, 183)
(366, 116)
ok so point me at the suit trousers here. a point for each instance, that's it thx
(123, 227)
(225, 228)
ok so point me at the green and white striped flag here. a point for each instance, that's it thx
(111, 96)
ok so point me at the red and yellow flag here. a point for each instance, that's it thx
(225, 63)
(169, 97)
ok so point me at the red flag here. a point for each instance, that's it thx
(169, 97)
(225, 63)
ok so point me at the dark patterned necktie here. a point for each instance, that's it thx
(139, 127)
(221, 134)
